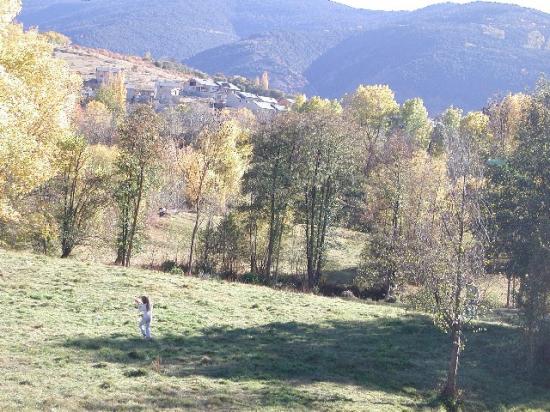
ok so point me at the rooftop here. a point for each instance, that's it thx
(169, 83)
(267, 99)
(246, 95)
(205, 82)
(227, 85)
(264, 105)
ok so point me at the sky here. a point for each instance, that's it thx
(543, 5)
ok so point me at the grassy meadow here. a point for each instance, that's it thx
(70, 341)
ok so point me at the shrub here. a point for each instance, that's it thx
(168, 265)
(252, 278)
(176, 270)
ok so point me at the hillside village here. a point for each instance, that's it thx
(166, 93)
(147, 84)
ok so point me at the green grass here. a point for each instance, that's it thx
(69, 340)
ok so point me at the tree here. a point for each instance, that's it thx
(113, 95)
(37, 97)
(505, 118)
(140, 146)
(57, 39)
(223, 247)
(96, 123)
(327, 161)
(264, 81)
(447, 257)
(316, 103)
(373, 108)
(401, 191)
(388, 191)
(520, 195)
(271, 182)
(212, 168)
(416, 122)
(82, 187)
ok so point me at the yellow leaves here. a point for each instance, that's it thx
(37, 96)
(316, 104)
(373, 106)
(475, 125)
(8, 10)
(103, 158)
(506, 117)
(57, 39)
(192, 165)
(214, 167)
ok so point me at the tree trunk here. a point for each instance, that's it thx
(271, 239)
(509, 292)
(279, 241)
(193, 236)
(120, 256)
(254, 249)
(123, 240)
(450, 389)
(513, 291)
(66, 250)
(135, 218)
(252, 243)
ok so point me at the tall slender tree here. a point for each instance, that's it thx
(140, 145)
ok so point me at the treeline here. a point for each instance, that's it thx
(445, 202)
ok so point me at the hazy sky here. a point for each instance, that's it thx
(543, 5)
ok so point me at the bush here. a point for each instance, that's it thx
(168, 265)
(222, 248)
(178, 271)
(252, 279)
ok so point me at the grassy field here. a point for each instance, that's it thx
(69, 340)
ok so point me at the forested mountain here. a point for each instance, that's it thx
(448, 54)
(183, 28)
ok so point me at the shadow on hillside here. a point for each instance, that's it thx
(403, 356)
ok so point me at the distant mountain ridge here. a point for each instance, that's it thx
(446, 54)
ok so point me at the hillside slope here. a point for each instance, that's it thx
(139, 72)
(70, 342)
(183, 28)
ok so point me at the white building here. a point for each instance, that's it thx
(201, 88)
(168, 91)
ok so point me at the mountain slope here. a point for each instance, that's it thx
(459, 55)
(183, 28)
(172, 28)
(285, 55)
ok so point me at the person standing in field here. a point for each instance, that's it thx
(146, 311)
